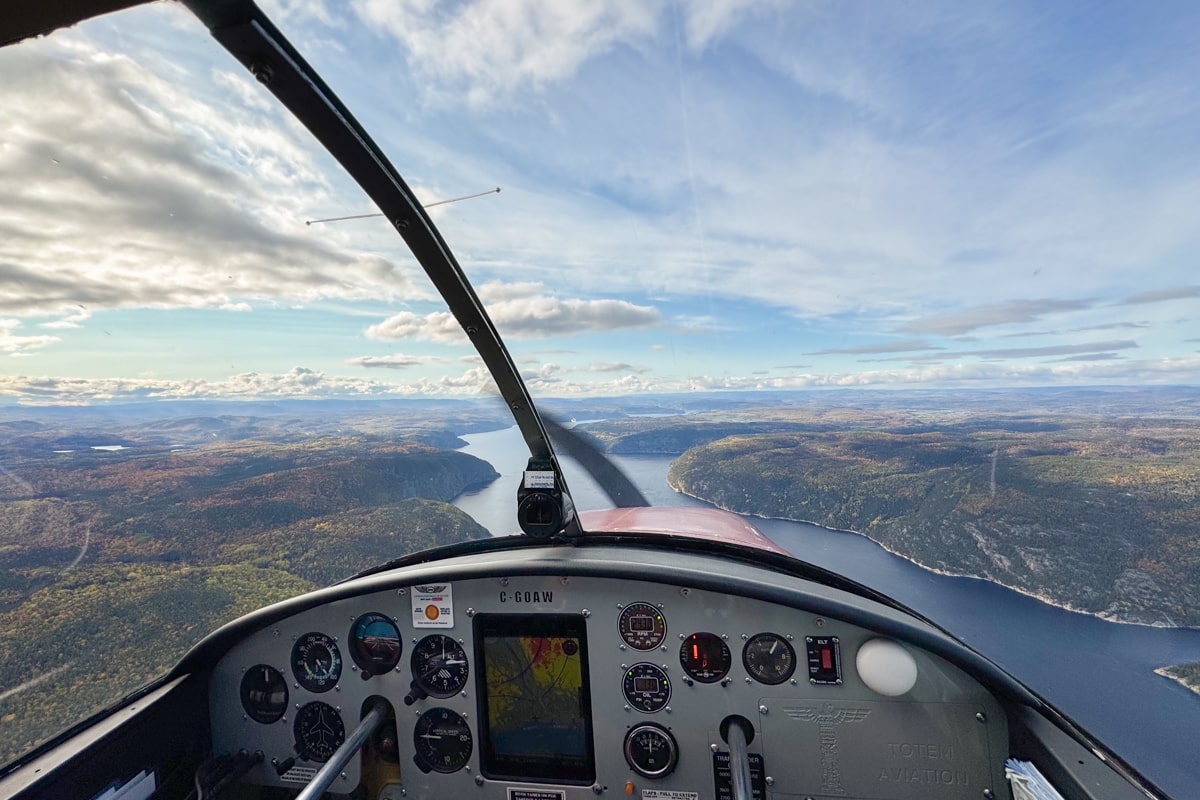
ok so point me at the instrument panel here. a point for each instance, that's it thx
(550, 687)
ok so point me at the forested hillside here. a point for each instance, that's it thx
(1096, 515)
(114, 562)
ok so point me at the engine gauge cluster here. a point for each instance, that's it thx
(651, 751)
(705, 657)
(647, 687)
(642, 626)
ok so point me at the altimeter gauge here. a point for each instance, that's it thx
(439, 666)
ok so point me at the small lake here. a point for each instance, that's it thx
(1098, 673)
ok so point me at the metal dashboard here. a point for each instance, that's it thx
(550, 675)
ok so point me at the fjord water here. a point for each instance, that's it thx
(1101, 674)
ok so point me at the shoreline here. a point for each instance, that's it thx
(947, 573)
(1163, 671)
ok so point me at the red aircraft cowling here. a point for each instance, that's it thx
(695, 523)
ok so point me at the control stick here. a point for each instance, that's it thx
(739, 733)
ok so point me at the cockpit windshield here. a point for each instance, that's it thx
(914, 289)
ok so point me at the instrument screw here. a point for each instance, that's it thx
(794, 682)
(343, 776)
(789, 637)
(401, 592)
(467, 769)
(504, 581)
(275, 633)
(585, 613)
(988, 794)
(564, 580)
(622, 647)
(619, 606)
(745, 637)
(979, 715)
(624, 666)
(748, 679)
(401, 223)
(597, 789)
(626, 707)
(684, 592)
(770, 781)
(667, 709)
(471, 612)
(819, 622)
(682, 636)
(479, 780)
(712, 747)
(762, 709)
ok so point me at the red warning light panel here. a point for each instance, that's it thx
(824, 660)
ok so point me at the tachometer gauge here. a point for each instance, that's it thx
(264, 694)
(769, 658)
(705, 657)
(319, 731)
(650, 750)
(439, 666)
(375, 644)
(442, 741)
(316, 662)
(647, 688)
(642, 626)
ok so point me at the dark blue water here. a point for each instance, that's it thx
(1101, 674)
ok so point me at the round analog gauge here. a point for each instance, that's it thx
(319, 731)
(375, 644)
(647, 688)
(651, 751)
(316, 662)
(442, 741)
(264, 694)
(439, 666)
(642, 626)
(705, 657)
(769, 658)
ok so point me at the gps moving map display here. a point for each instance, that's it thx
(533, 683)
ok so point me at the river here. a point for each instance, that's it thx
(1099, 673)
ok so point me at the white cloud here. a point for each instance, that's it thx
(394, 361)
(157, 198)
(16, 345)
(486, 49)
(522, 311)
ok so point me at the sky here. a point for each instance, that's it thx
(723, 195)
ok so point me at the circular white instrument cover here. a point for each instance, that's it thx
(886, 667)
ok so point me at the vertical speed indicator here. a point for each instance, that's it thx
(642, 626)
